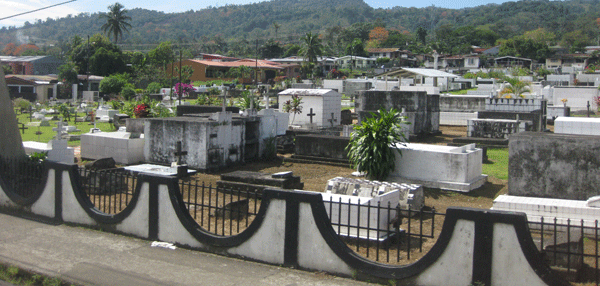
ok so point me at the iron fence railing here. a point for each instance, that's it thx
(570, 247)
(23, 176)
(223, 212)
(384, 232)
(109, 190)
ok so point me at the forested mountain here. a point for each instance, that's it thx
(219, 29)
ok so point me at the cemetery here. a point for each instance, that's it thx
(202, 180)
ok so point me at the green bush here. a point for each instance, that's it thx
(128, 92)
(153, 87)
(21, 103)
(370, 144)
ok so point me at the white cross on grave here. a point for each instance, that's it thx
(58, 130)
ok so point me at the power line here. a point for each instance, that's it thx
(37, 10)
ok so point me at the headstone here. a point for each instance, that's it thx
(61, 152)
(45, 122)
(367, 218)
(11, 145)
(410, 195)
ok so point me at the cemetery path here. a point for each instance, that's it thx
(88, 257)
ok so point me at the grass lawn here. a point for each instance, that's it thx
(497, 164)
(47, 133)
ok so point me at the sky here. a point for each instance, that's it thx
(13, 7)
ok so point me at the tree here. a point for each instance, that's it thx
(311, 48)
(516, 87)
(239, 72)
(99, 57)
(9, 49)
(377, 36)
(116, 21)
(421, 35)
(113, 84)
(370, 148)
(161, 55)
(294, 106)
(276, 27)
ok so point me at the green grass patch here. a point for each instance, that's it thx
(47, 133)
(16, 276)
(461, 92)
(497, 164)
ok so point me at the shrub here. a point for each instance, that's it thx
(21, 103)
(128, 92)
(153, 87)
(370, 144)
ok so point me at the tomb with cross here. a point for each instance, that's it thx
(182, 169)
(332, 119)
(317, 105)
(22, 126)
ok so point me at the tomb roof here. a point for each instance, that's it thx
(308, 92)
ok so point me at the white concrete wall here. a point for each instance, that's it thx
(116, 145)
(337, 84)
(590, 78)
(458, 255)
(322, 107)
(577, 125)
(453, 168)
(456, 118)
(577, 97)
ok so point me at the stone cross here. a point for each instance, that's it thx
(22, 127)
(311, 114)
(588, 109)
(58, 130)
(179, 152)
(38, 133)
(31, 113)
(332, 120)
(224, 100)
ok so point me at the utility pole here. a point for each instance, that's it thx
(87, 70)
(180, 85)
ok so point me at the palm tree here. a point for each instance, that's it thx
(116, 21)
(516, 87)
(311, 48)
(276, 26)
(239, 72)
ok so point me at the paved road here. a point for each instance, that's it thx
(90, 257)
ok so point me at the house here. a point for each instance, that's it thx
(207, 70)
(326, 64)
(459, 63)
(568, 63)
(32, 88)
(32, 65)
(355, 62)
(510, 61)
(215, 57)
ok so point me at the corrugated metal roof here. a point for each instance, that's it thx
(21, 59)
(418, 71)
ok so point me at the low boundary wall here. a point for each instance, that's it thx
(293, 229)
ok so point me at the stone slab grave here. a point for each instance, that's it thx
(256, 182)
(124, 147)
(495, 128)
(366, 209)
(57, 149)
(444, 167)
(411, 195)
(573, 213)
(536, 208)
(577, 125)
(155, 170)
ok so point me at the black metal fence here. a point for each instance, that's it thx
(220, 211)
(23, 176)
(109, 190)
(384, 232)
(570, 247)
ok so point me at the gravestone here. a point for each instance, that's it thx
(59, 150)
(11, 145)
(410, 195)
(256, 182)
(367, 218)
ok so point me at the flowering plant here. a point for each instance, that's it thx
(141, 110)
(185, 88)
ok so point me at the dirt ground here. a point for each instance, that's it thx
(315, 176)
